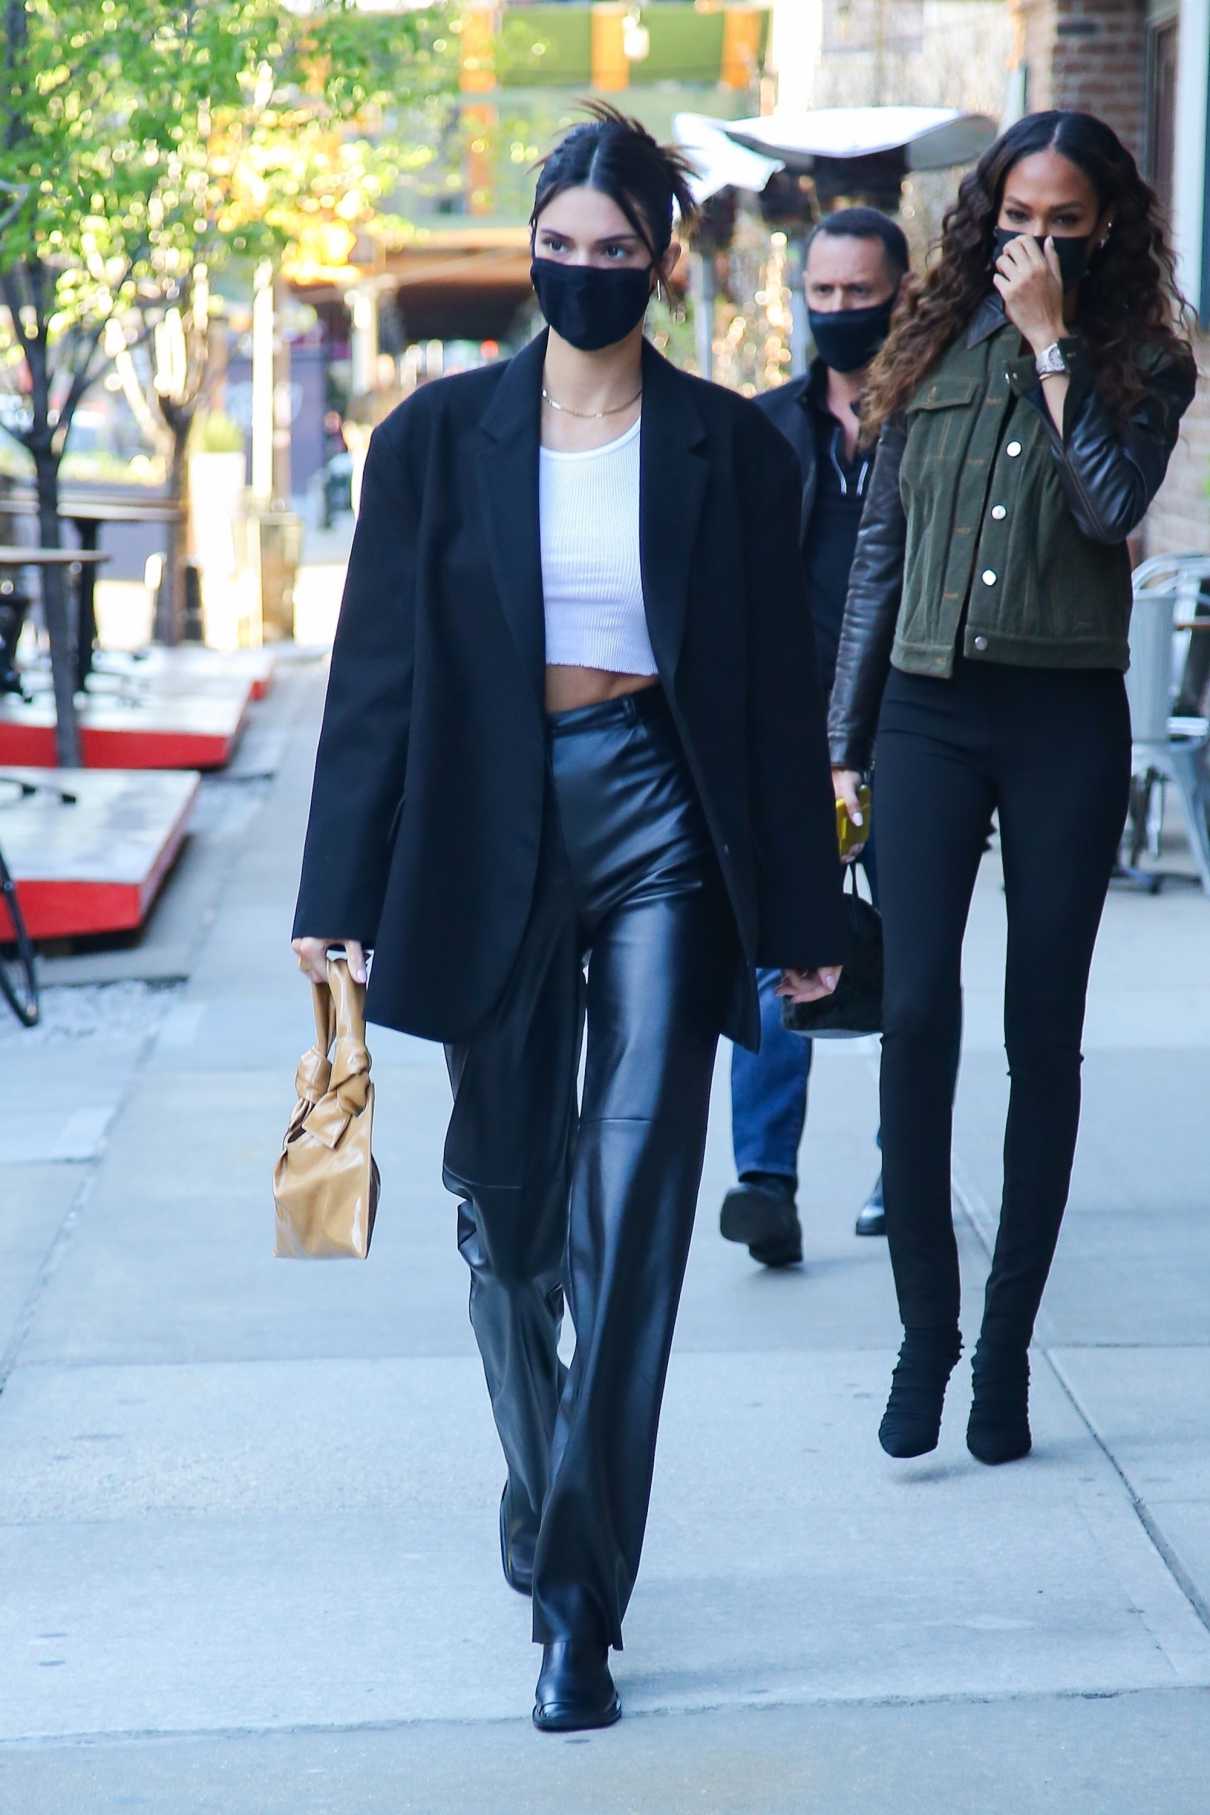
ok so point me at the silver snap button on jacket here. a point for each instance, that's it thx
(999, 512)
(1013, 449)
(980, 643)
(988, 576)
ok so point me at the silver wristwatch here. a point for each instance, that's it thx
(1050, 360)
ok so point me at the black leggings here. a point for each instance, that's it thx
(1049, 751)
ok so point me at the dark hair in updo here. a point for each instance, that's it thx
(619, 157)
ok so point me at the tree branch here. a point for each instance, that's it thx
(82, 370)
(13, 303)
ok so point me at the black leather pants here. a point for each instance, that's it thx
(597, 1202)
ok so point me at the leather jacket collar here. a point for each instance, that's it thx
(813, 386)
(987, 320)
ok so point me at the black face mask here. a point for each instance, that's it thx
(847, 339)
(589, 306)
(1074, 251)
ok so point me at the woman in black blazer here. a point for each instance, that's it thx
(567, 719)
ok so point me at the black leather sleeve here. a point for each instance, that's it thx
(1111, 471)
(871, 609)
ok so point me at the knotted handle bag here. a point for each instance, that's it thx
(325, 1183)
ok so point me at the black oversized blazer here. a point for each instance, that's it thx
(426, 812)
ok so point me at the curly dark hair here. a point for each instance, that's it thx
(618, 156)
(1130, 306)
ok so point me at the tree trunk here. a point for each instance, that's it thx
(170, 606)
(61, 609)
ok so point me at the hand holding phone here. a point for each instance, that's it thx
(852, 837)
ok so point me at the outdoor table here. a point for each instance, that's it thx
(14, 554)
(86, 512)
(81, 563)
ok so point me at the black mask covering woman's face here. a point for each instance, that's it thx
(1073, 249)
(847, 339)
(591, 306)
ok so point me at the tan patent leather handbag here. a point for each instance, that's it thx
(325, 1183)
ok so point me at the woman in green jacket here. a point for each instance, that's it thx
(1026, 404)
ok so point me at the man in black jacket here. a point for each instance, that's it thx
(857, 260)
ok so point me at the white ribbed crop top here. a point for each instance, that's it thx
(592, 582)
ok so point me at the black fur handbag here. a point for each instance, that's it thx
(855, 1005)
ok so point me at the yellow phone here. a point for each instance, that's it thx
(847, 834)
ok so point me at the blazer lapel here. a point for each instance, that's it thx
(510, 433)
(673, 473)
(805, 448)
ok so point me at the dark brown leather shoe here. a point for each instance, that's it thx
(766, 1220)
(871, 1218)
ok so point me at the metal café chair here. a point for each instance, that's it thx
(1166, 748)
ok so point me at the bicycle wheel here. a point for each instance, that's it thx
(18, 964)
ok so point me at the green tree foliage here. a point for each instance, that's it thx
(143, 142)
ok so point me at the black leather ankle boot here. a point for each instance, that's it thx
(911, 1423)
(998, 1429)
(575, 1689)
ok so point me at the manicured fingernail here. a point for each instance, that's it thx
(857, 819)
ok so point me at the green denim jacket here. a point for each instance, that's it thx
(989, 533)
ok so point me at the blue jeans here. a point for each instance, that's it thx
(769, 1087)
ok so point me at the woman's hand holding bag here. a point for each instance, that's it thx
(325, 1183)
(854, 1007)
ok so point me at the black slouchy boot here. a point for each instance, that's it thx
(998, 1429)
(911, 1423)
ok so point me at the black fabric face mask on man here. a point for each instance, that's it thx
(1074, 251)
(591, 306)
(847, 339)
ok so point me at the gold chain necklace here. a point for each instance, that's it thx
(565, 409)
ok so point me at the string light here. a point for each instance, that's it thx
(752, 349)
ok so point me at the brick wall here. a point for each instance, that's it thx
(1099, 62)
(1086, 54)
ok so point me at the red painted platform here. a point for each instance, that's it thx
(152, 728)
(97, 866)
(190, 667)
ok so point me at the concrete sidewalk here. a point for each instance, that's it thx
(248, 1510)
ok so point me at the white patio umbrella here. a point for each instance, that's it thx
(718, 161)
(747, 154)
(930, 138)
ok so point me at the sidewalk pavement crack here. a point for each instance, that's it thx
(978, 1214)
(750, 1704)
(23, 1322)
(61, 1239)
